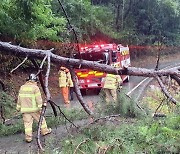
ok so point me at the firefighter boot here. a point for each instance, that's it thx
(49, 130)
(28, 141)
(28, 138)
(67, 104)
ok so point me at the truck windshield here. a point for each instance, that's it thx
(100, 57)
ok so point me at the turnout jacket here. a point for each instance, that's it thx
(29, 98)
(112, 81)
(65, 78)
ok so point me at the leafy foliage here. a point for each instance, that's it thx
(126, 21)
(157, 102)
(157, 136)
(11, 129)
(146, 22)
(7, 103)
(124, 106)
(30, 19)
(86, 19)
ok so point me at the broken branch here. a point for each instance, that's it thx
(45, 104)
(165, 91)
(78, 93)
(19, 65)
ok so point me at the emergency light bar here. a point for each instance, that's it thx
(96, 47)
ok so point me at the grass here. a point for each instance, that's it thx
(145, 136)
(7, 104)
(18, 127)
(157, 102)
(124, 106)
(15, 125)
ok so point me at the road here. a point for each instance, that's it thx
(134, 88)
(138, 85)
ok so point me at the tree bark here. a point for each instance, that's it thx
(78, 93)
(176, 78)
(6, 48)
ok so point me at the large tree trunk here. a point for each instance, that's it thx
(6, 48)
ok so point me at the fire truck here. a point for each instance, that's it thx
(110, 54)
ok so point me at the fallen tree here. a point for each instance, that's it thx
(71, 63)
(18, 51)
(7, 48)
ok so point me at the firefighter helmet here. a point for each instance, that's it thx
(32, 77)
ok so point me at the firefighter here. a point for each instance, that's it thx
(63, 84)
(112, 82)
(29, 103)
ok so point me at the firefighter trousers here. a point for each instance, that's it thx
(110, 93)
(28, 119)
(65, 94)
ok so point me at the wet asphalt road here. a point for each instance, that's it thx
(93, 97)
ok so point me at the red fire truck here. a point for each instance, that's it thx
(110, 54)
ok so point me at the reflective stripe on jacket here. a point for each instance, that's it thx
(29, 98)
(65, 79)
(62, 79)
(112, 81)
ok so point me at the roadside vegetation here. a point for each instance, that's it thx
(131, 132)
(157, 102)
(129, 22)
(145, 136)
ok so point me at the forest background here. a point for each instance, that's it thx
(132, 22)
(141, 24)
